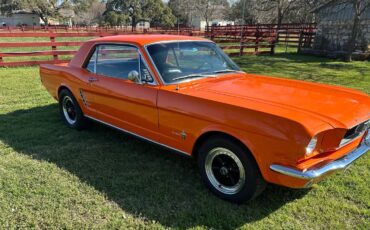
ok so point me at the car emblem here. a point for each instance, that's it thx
(182, 134)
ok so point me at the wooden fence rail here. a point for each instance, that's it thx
(235, 40)
(53, 44)
(290, 36)
(258, 39)
(260, 36)
(306, 40)
(82, 29)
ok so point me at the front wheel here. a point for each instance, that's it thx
(229, 170)
(70, 111)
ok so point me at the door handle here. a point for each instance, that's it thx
(92, 79)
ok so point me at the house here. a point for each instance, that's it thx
(334, 27)
(20, 18)
(198, 23)
(143, 24)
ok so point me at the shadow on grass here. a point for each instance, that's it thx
(143, 179)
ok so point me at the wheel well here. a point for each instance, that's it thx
(61, 88)
(212, 134)
(208, 135)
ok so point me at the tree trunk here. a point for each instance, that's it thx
(44, 19)
(355, 31)
(133, 23)
(207, 26)
(279, 16)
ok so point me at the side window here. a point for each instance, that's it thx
(117, 60)
(91, 64)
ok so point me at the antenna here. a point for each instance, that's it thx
(243, 23)
(178, 26)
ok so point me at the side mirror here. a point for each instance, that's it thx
(134, 76)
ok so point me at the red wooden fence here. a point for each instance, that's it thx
(305, 41)
(289, 34)
(252, 37)
(260, 36)
(106, 29)
(235, 40)
(53, 44)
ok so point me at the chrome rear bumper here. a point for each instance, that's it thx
(341, 163)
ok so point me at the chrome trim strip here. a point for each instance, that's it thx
(313, 173)
(170, 41)
(136, 135)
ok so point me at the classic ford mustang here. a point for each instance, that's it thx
(185, 94)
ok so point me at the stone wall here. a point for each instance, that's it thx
(334, 28)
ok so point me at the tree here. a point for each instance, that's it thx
(186, 10)
(137, 10)
(93, 15)
(114, 19)
(277, 8)
(359, 7)
(274, 11)
(183, 10)
(301, 11)
(45, 9)
(235, 12)
(208, 9)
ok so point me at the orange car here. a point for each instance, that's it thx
(185, 94)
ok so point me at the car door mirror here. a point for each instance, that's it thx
(134, 76)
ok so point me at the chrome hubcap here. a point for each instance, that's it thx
(225, 171)
(69, 110)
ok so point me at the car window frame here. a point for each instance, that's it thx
(96, 47)
(178, 41)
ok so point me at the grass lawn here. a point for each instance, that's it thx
(55, 177)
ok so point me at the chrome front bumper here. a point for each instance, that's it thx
(341, 163)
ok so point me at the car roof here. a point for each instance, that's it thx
(144, 39)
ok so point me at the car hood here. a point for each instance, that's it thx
(337, 106)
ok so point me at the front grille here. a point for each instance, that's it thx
(354, 132)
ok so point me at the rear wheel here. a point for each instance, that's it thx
(70, 110)
(229, 170)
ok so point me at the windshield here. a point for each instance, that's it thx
(180, 61)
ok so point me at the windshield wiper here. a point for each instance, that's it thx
(224, 71)
(190, 76)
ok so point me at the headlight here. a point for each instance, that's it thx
(311, 146)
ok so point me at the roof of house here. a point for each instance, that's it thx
(22, 12)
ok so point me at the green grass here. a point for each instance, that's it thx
(55, 177)
(355, 74)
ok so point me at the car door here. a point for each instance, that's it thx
(115, 99)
